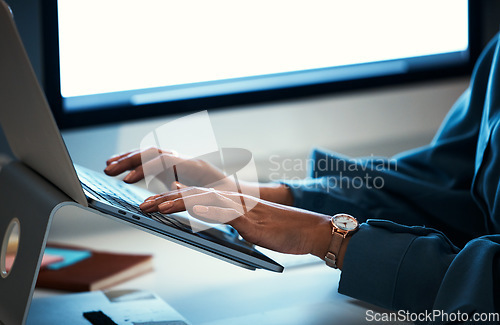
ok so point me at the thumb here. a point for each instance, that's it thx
(216, 214)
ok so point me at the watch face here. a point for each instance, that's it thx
(345, 222)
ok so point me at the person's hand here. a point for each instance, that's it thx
(166, 166)
(170, 167)
(281, 228)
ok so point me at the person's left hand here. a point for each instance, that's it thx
(167, 166)
(277, 227)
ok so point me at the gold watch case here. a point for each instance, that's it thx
(343, 225)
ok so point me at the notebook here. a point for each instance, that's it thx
(99, 270)
(34, 138)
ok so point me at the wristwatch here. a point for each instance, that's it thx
(343, 226)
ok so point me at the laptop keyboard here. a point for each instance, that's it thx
(119, 195)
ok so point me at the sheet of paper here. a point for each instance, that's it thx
(124, 307)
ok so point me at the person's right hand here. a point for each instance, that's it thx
(281, 228)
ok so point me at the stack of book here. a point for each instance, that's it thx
(78, 269)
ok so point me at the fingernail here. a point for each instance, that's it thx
(110, 160)
(152, 197)
(129, 177)
(165, 206)
(111, 166)
(146, 204)
(200, 209)
(179, 185)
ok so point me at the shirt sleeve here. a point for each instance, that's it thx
(419, 270)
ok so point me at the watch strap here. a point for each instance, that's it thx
(333, 250)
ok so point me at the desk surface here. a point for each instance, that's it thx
(208, 291)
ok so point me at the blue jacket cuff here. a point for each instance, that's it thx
(371, 265)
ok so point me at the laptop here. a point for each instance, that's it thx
(35, 140)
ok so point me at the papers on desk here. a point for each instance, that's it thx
(291, 260)
(123, 307)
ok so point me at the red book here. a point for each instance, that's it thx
(100, 271)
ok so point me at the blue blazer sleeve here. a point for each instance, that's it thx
(433, 239)
(419, 270)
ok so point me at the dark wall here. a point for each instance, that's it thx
(490, 19)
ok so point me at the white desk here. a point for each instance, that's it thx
(208, 291)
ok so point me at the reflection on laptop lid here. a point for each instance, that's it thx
(35, 140)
